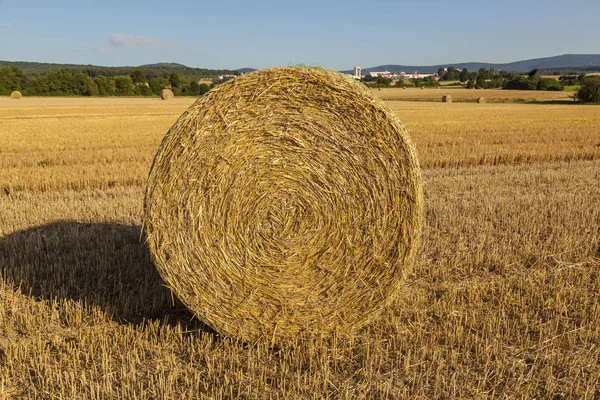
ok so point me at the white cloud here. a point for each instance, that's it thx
(143, 42)
(96, 49)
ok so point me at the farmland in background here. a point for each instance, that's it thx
(503, 299)
(459, 93)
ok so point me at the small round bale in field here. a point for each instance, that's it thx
(166, 94)
(481, 100)
(447, 99)
(16, 95)
(288, 200)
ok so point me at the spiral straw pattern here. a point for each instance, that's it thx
(287, 200)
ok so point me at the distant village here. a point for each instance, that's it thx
(387, 74)
(374, 74)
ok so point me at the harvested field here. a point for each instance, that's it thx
(104, 143)
(461, 95)
(502, 301)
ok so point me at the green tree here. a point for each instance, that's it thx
(589, 92)
(496, 82)
(123, 85)
(11, 78)
(480, 82)
(203, 88)
(138, 76)
(158, 84)
(441, 72)
(63, 82)
(175, 79)
(464, 75)
(368, 78)
(194, 89)
(382, 81)
(142, 90)
(103, 85)
(549, 84)
(483, 73)
(522, 83)
(451, 74)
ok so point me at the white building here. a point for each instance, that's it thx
(385, 74)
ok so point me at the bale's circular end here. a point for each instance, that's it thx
(16, 95)
(447, 99)
(481, 100)
(166, 94)
(288, 200)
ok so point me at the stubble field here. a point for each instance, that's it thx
(460, 94)
(503, 300)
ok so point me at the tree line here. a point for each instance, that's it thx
(68, 82)
(483, 79)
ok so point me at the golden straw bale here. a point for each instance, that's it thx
(447, 99)
(481, 100)
(166, 94)
(16, 95)
(287, 200)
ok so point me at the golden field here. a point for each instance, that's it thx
(470, 95)
(503, 300)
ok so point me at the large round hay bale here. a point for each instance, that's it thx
(447, 98)
(481, 100)
(287, 200)
(16, 95)
(166, 94)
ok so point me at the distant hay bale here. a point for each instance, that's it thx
(166, 94)
(447, 99)
(287, 200)
(16, 95)
(422, 87)
(481, 100)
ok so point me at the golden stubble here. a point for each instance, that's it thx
(502, 300)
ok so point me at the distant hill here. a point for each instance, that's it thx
(164, 65)
(152, 70)
(563, 63)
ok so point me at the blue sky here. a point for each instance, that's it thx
(260, 34)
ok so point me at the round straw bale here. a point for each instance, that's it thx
(481, 100)
(287, 200)
(16, 95)
(166, 94)
(422, 87)
(447, 98)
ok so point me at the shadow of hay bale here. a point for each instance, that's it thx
(104, 265)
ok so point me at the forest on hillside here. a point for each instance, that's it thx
(39, 79)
